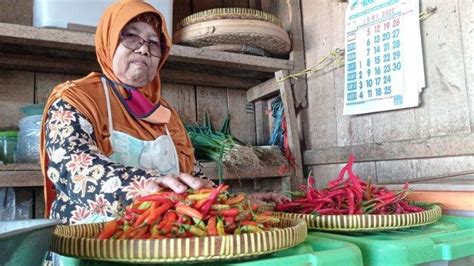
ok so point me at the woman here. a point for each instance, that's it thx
(110, 137)
(96, 128)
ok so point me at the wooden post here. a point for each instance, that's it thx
(286, 94)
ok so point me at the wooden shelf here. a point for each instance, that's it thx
(20, 175)
(73, 52)
(29, 175)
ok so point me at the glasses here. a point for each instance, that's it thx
(134, 42)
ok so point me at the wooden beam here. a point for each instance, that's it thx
(75, 44)
(29, 175)
(44, 63)
(250, 63)
(434, 187)
(455, 145)
(289, 12)
(286, 94)
(295, 27)
(46, 37)
(205, 79)
(263, 90)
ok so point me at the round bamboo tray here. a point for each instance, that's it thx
(228, 28)
(80, 241)
(369, 222)
(228, 13)
(237, 48)
(254, 33)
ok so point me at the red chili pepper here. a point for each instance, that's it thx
(198, 205)
(350, 200)
(229, 212)
(211, 226)
(249, 223)
(229, 220)
(142, 217)
(243, 216)
(236, 199)
(155, 197)
(155, 213)
(189, 211)
(410, 208)
(109, 230)
(212, 198)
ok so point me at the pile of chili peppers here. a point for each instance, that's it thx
(348, 196)
(206, 212)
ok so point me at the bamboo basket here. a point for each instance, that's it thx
(80, 241)
(369, 222)
(222, 27)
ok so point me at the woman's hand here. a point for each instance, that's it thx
(265, 197)
(178, 184)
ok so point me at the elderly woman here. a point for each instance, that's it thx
(110, 136)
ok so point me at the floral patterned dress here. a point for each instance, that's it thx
(87, 182)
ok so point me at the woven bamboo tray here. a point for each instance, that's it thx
(80, 241)
(228, 13)
(369, 222)
(233, 27)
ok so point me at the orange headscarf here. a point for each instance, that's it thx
(87, 96)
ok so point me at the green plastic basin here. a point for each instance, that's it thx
(25, 242)
(449, 239)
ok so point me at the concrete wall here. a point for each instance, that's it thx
(435, 139)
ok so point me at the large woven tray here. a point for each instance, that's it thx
(228, 13)
(369, 222)
(255, 33)
(79, 241)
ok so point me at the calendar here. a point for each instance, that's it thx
(383, 59)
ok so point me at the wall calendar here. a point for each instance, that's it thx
(383, 59)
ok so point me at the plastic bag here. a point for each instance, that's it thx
(7, 204)
(27, 149)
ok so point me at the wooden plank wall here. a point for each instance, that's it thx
(433, 140)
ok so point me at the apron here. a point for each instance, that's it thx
(159, 154)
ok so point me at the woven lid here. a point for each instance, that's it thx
(227, 13)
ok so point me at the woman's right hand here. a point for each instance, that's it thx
(178, 184)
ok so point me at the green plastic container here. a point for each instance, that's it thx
(449, 239)
(8, 140)
(314, 251)
(33, 109)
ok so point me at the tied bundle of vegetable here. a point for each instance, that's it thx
(221, 147)
(348, 196)
(206, 212)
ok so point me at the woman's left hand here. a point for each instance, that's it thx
(178, 184)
